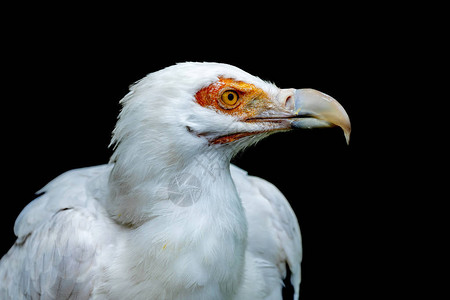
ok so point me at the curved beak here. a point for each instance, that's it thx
(315, 109)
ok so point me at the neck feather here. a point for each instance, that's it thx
(142, 187)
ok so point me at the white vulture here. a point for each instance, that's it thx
(169, 217)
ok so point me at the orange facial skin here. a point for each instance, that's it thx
(251, 99)
(251, 102)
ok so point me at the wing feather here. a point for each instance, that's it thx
(274, 233)
(60, 242)
(54, 261)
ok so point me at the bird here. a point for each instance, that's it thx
(169, 217)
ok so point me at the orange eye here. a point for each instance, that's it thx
(229, 98)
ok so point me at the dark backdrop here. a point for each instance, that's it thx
(65, 76)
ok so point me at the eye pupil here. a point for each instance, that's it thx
(230, 96)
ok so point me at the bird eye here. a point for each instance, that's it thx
(229, 98)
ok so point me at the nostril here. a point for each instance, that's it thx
(286, 98)
(289, 103)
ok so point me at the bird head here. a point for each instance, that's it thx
(189, 106)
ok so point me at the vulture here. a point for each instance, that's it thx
(169, 217)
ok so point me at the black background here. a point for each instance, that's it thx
(67, 69)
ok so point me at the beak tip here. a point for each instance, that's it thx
(346, 128)
(347, 136)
